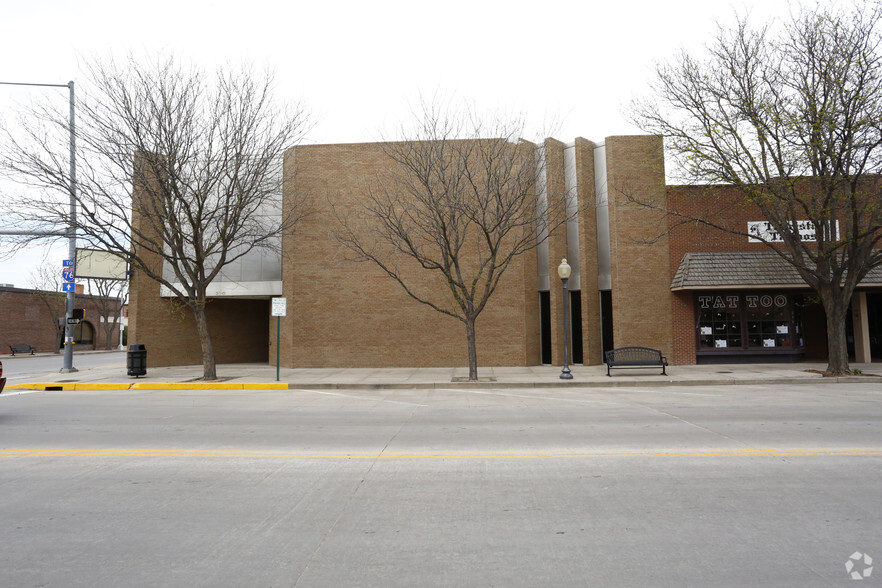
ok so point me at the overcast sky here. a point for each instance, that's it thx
(358, 66)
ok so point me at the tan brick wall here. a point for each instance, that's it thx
(240, 329)
(592, 345)
(557, 243)
(166, 327)
(348, 314)
(641, 296)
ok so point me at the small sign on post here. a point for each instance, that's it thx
(278, 310)
(279, 306)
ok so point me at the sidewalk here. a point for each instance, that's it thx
(262, 376)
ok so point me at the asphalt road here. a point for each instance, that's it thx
(692, 486)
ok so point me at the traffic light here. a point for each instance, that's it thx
(79, 313)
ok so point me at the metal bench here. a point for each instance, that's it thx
(635, 357)
(22, 348)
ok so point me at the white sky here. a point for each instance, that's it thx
(358, 66)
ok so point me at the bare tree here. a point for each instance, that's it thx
(178, 172)
(46, 281)
(790, 116)
(111, 297)
(458, 205)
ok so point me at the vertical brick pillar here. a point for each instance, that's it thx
(587, 221)
(640, 257)
(557, 242)
(144, 301)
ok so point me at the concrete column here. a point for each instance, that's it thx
(861, 325)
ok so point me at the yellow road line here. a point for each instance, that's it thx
(9, 453)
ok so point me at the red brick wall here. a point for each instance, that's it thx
(726, 206)
(25, 318)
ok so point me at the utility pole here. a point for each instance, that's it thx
(72, 224)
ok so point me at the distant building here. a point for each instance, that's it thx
(36, 318)
(697, 295)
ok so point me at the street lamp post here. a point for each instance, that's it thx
(72, 224)
(563, 270)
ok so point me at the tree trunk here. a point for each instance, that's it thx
(473, 351)
(109, 328)
(836, 309)
(209, 366)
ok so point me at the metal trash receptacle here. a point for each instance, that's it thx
(136, 360)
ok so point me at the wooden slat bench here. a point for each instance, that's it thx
(635, 357)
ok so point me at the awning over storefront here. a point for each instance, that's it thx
(744, 269)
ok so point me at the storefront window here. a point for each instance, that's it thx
(746, 322)
(720, 322)
(768, 320)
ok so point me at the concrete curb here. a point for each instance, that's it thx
(590, 384)
(60, 387)
(611, 383)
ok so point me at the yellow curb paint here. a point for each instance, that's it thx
(45, 386)
(266, 386)
(103, 386)
(185, 386)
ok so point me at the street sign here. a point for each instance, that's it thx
(68, 287)
(67, 263)
(73, 321)
(67, 275)
(279, 306)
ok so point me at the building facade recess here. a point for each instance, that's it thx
(695, 294)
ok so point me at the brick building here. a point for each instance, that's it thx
(695, 294)
(34, 317)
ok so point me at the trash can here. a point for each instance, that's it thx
(136, 360)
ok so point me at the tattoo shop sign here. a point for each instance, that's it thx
(760, 231)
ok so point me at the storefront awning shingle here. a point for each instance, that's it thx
(753, 269)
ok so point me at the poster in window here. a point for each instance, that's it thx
(720, 343)
(707, 331)
(768, 342)
(782, 329)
